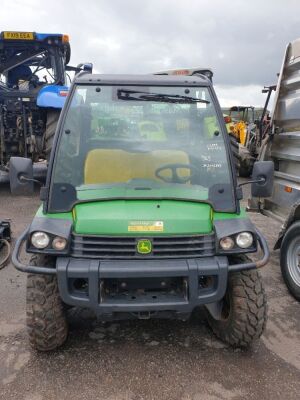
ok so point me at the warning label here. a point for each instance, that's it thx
(146, 226)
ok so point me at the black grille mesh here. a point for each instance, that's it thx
(124, 247)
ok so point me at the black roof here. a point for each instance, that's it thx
(159, 80)
(240, 108)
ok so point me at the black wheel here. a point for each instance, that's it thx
(45, 312)
(245, 169)
(290, 259)
(68, 52)
(235, 151)
(244, 311)
(52, 119)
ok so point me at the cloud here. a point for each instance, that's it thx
(248, 95)
(243, 42)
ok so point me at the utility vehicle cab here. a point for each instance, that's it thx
(138, 139)
(141, 215)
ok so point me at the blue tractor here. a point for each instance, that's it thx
(33, 88)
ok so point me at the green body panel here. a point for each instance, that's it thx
(113, 217)
(65, 215)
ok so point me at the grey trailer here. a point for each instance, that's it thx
(282, 145)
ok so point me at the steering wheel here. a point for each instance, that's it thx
(151, 130)
(175, 178)
(34, 80)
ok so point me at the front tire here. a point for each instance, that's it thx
(46, 317)
(244, 312)
(245, 169)
(290, 259)
(235, 151)
(52, 119)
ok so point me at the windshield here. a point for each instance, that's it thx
(42, 65)
(142, 142)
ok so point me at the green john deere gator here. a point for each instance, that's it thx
(140, 214)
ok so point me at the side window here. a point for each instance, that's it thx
(70, 151)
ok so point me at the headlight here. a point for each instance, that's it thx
(244, 240)
(59, 243)
(40, 240)
(227, 243)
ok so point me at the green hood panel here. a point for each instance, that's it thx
(126, 217)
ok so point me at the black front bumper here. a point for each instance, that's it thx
(137, 275)
(187, 282)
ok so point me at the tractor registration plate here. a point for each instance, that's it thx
(18, 35)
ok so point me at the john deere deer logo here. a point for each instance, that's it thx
(144, 246)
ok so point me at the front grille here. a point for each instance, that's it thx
(122, 247)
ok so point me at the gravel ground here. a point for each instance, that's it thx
(146, 359)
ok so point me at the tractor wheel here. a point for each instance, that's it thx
(52, 119)
(244, 312)
(246, 162)
(245, 169)
(235, 151)
(290, 259)
(45, 312)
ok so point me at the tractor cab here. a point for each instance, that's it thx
(242, 113)
(29, 60)
(33, 89)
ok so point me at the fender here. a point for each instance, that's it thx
(52, 96)
(293, 216)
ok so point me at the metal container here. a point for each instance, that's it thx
(282, 145)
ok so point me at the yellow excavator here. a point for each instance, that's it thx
(241, 119)
(242, 126)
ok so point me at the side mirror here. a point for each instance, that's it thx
(20, 175)
(263, 174)
(87, 67)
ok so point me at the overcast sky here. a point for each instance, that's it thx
(242, 41)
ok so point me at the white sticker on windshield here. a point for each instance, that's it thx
(201, 95)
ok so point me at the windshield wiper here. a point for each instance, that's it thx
(125, 94)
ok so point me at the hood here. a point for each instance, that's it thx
(142, 217)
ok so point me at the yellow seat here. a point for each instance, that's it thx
(116, 166)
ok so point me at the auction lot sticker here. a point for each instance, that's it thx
(145, 226)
